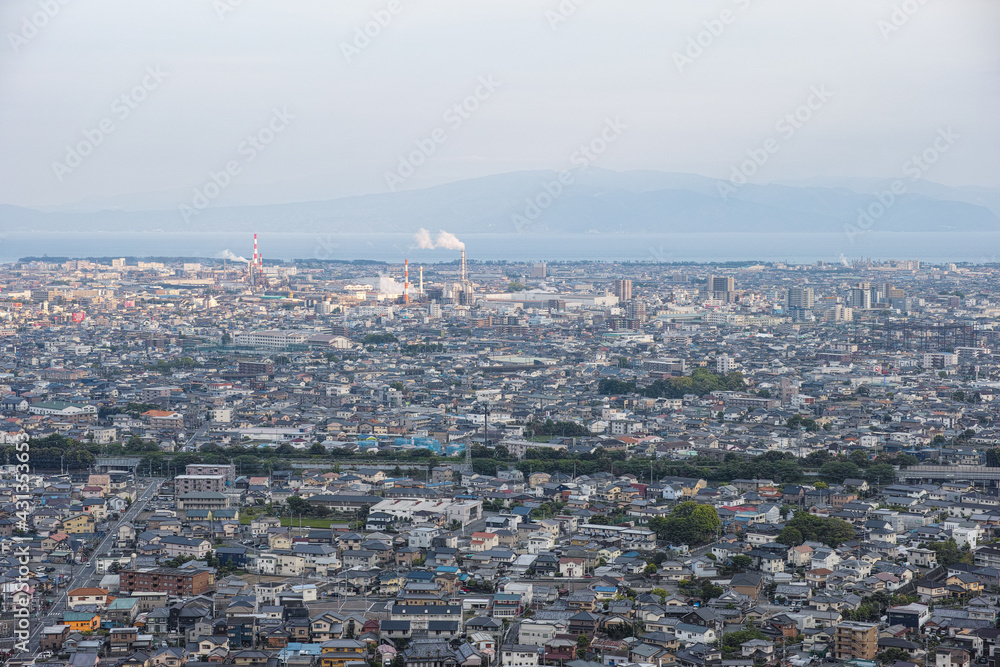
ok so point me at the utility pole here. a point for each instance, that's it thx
(486, 424)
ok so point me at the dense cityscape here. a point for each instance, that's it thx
(475, 464)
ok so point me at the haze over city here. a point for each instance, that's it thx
(694, 86)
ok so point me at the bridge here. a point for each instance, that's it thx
(952, 473)
(124, 463)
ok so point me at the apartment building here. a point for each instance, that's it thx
(171, 580)
(199, 484)
(856, 641)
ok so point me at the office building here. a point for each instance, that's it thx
(861, 297)
(801, 297)
(721, 288)
(623, 289)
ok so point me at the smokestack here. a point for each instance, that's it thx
(255, 251)
(463, 269)
(421, 282)
(406, 282)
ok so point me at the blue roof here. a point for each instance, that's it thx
(605, 589)
(297, 648)
(446, 568)
(521, 511)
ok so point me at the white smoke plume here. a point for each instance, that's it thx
(232, 257)
(449, 241)
(423, 239)
(444, 239)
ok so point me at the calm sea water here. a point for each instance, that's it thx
(978, 247)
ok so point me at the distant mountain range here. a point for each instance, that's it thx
(596, 201)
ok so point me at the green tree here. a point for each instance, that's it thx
(838, 471)
(732, 640)
(818, 458)
(688, 523)
(880, 474)
(741, 563)
(298, 505)
(948, 552)
(828, 530)
(798, 421)
(860, 459)
(790, 536)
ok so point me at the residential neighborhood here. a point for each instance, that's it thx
(571, 464)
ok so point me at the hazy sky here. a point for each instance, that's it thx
(201, 76)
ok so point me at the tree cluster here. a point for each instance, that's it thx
(688, 523)
(805, 527)
(701, 381)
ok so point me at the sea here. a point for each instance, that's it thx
(705, 247)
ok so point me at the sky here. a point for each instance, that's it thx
(117, 100)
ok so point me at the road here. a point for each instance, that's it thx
(87, 575)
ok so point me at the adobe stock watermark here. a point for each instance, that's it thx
(913, 169)
(23, 506)
(248, 150)
(562, 12)
(365, 34)
(455, 116)
(585, 155)
(326, 247)
(900, 16)
(32, 24)
(714, 28)
(786, 126)
(661, 254)
(226, 7)
(121, 108)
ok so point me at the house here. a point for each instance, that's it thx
(81, 621)
(338, 652)
(483, 541)
(688, 634)
(79, 524)
(87, 596)
(747, 583)
(571, 567)
(516, 655)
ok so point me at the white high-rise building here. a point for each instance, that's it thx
(861, 297)
(724, 364)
